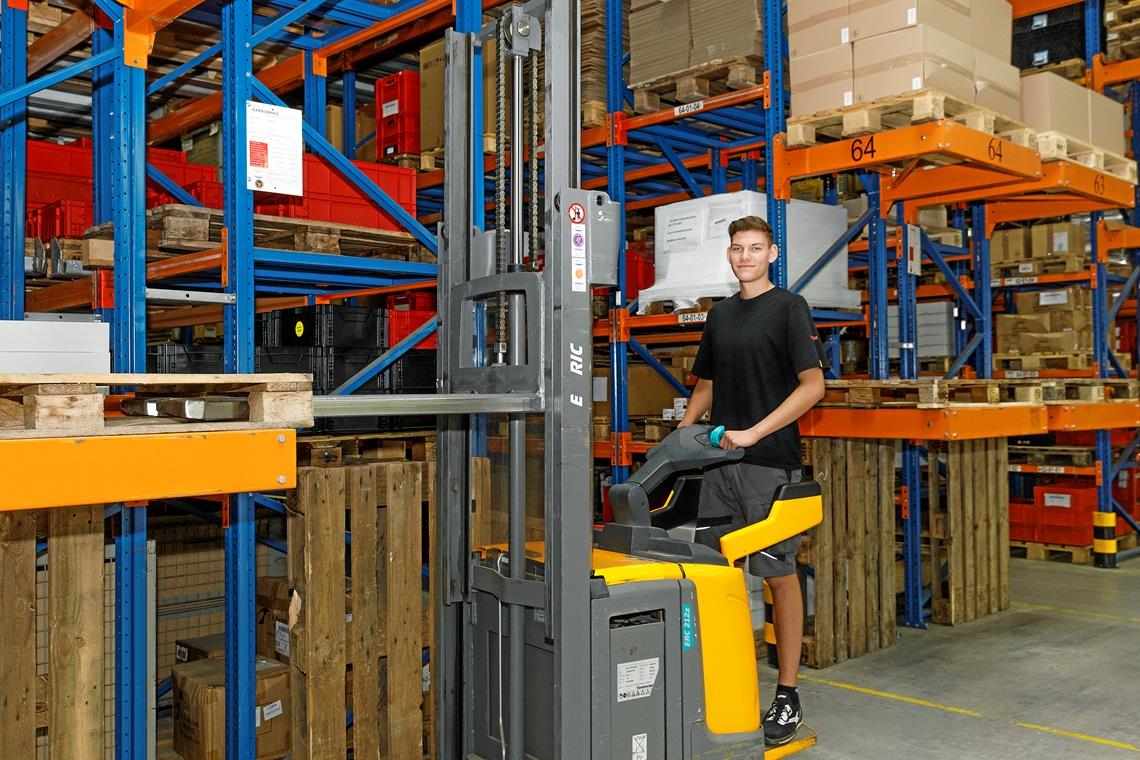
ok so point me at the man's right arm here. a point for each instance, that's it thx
(699, 402)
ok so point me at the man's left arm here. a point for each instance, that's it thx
(806, 395)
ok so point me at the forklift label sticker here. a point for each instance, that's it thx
(273, 149)
(687, 638)
(635, 679)
(576, 213)
(640, 749)
(578, 248)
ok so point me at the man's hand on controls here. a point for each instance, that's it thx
(739, 439)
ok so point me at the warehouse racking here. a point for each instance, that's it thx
(724, 142)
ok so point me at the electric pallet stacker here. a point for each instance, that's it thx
(626, 643)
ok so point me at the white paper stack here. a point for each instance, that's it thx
(37, 346)
(692, 241)
(936, 325)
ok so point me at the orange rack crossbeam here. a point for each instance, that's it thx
(952, 423)
(1064, 180)
(1099, 415)
(1023, 8)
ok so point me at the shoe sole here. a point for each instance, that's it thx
(781, 742)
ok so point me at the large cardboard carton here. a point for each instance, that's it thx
(870, 18)
(1106, 123)
(1009, 245)
(273, 597)
(200, 709)
(660, 40)
(1050, 103)
(648, 391)
(1069, 342)
(822, 80)
(365, 125)
(997, 84)
(913, 59)
(817, 25)
(1058, 237)
(723, 29)
(431, 91)
(1072, 298)
(1070, 319)
(991, 28)
(1015, 324)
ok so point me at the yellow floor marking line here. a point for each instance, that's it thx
(895, 697)
(1082, 737)
(970, 713)
(1078, 613)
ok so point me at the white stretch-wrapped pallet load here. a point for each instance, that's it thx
(691, 243)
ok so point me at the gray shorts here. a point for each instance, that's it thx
(738, 494)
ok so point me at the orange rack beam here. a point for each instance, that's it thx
(952, 423)
(1052, 469)
(1023, 8)
(1100, 415)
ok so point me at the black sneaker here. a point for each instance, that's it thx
(782, 720)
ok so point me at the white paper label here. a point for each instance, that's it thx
(640, 750)
(684, 229)
(848, 97)
(578, 257)
(273, 709)
(1053, 297)
(348, 617)
(680, 404)
(844, 36)
(1109, 17)
(667, 414)
(1041, 57)
(692, 317)
(281, 638)
(391, 108)
(1026, 267)
(1040, 21)
(426, 679)
(1059, 500)
(181, 653)
(273, 149)
(1061, 241)
(688, 108)
(911, 16)
(916, 83)
(635, 679)
(256, 716)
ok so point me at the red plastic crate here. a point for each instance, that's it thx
(398, 135)
(1065, 536)
(60, 219)
(401, 324)
(398, 93)
(1022, 531)
(210, 194)
(416, 300)
(1022, 512)
(1064, 505)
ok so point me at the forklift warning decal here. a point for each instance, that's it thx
(635, 679)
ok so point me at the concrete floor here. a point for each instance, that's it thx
(1055, 676)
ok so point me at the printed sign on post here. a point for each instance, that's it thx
(273, 149)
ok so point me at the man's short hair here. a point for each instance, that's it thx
(750, 224)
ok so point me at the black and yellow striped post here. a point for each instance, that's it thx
(1104, 540)
(770, 627)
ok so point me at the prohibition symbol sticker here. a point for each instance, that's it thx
(576, 213)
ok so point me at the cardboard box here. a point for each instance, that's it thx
(1050, 103)
(1079, 319)
(273, 599)
(200, 709)
(1106, 123)
(1009, 245)
(1058, 237)
(1016, 324)
(1068, 342)
(912, 59)
(991, 28)
(648, 391)
(723, 29)
(934, 216)
(822, 81)
(660, 40)
(431, 92)
(997, 84)
(870, 18)
(365, 125)
(1072, 298)
(817, 25)
(200, 648)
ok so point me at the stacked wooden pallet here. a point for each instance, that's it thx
(1122, 29)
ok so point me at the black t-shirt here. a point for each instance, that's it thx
(753, 351)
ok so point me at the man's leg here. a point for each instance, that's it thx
(788, 611)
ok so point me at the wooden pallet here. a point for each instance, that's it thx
(51, 405)
(852, 551)
(696, 83)
(1035, 362)
(1052, 456)
(967, 529)
(1076, 555)
(361, 448)
(1070, 68)
(1057, 146)
(403, 160)
(927, 393)
(902, 111)
(430, 160)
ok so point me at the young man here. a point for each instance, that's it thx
(760, 367)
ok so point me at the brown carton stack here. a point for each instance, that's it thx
(821, 65)
(593, 58)
(200, 709)
(671, 37)
(996, 81)
(1051, 329)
